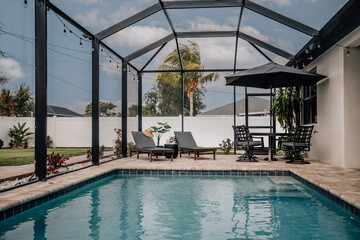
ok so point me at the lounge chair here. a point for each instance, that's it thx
(299, 142)
(187, 143)
(147, 145)
(245, 141)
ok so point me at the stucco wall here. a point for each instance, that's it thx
(328, 140)
(352, 108)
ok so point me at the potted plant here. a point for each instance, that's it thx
(226, 145)
(286, 108)
(160, 130)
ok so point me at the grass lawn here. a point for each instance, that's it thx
(16, 157)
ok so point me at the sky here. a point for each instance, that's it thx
(69, 62)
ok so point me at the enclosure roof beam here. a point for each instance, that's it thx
(129, 21)
(281, 18)
(241, 35)
(206, 34)
(69, 19)
(193, 70)
(116, 54)
(261, 52)
(157, 52)
(149, 47)
(237, 34)
(174, 32)
(201, 4)
(265, 45)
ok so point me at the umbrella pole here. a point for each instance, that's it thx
(271, 111)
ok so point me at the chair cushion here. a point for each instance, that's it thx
(143, 141)
(291, 144)
(185, 139)
(251, 143)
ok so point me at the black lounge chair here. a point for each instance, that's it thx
(245, 141)
(147, 145)
(187, 143)
(299, 142)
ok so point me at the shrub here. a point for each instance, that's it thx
(226, 145)
(54, 162)
(118, 143)
(49, 142)
(1, 143)
(20, 134)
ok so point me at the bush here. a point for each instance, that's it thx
(226, 145)
(1, 143)
(20, 135)
(54, 162)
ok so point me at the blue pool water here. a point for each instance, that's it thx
(186, 207)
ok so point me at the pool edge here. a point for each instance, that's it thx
(20, 207)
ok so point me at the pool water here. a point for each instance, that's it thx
(186, 207)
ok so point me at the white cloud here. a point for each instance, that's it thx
(86, 2)
(77, 106)
(11, 69)
(137, 37)
(280, 3)
(92, 19)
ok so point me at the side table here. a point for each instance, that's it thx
(172, 146)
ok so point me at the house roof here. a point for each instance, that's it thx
(255, 105)
(61, 112)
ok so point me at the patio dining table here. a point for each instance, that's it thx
(272, 145)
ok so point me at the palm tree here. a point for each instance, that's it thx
(23, 101)
(190, 56)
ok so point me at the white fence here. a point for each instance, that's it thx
(76, 132)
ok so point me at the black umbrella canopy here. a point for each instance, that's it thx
(273, 75)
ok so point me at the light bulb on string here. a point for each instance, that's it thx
(310, 58)
(81, 42)
(25, 3)
(348, 51)
(303, 65)
(64, 30)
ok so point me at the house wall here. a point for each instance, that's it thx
(337, 132)
(328, 136)
(352, 108)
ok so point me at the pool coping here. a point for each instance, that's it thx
(37, 198)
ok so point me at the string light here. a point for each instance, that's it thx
(64, 30)
(348, 51)
(303, 65)
(310, 58)
(25, 3)
(81, 42)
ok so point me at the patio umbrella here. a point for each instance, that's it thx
(273, 75)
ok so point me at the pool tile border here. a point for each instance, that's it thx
(36, 202)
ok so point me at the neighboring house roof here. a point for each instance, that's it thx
(255, 105)
(61, 112)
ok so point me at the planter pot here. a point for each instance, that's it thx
(172, 146)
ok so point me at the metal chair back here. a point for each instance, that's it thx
(303, 135)
(242, 134)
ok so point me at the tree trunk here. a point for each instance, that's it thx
(191, 98)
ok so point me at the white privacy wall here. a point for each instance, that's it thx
(76, 131)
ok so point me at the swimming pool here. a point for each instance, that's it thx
(186, 207)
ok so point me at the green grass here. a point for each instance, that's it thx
(17, 157)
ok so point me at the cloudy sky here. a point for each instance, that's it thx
(69, 62)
